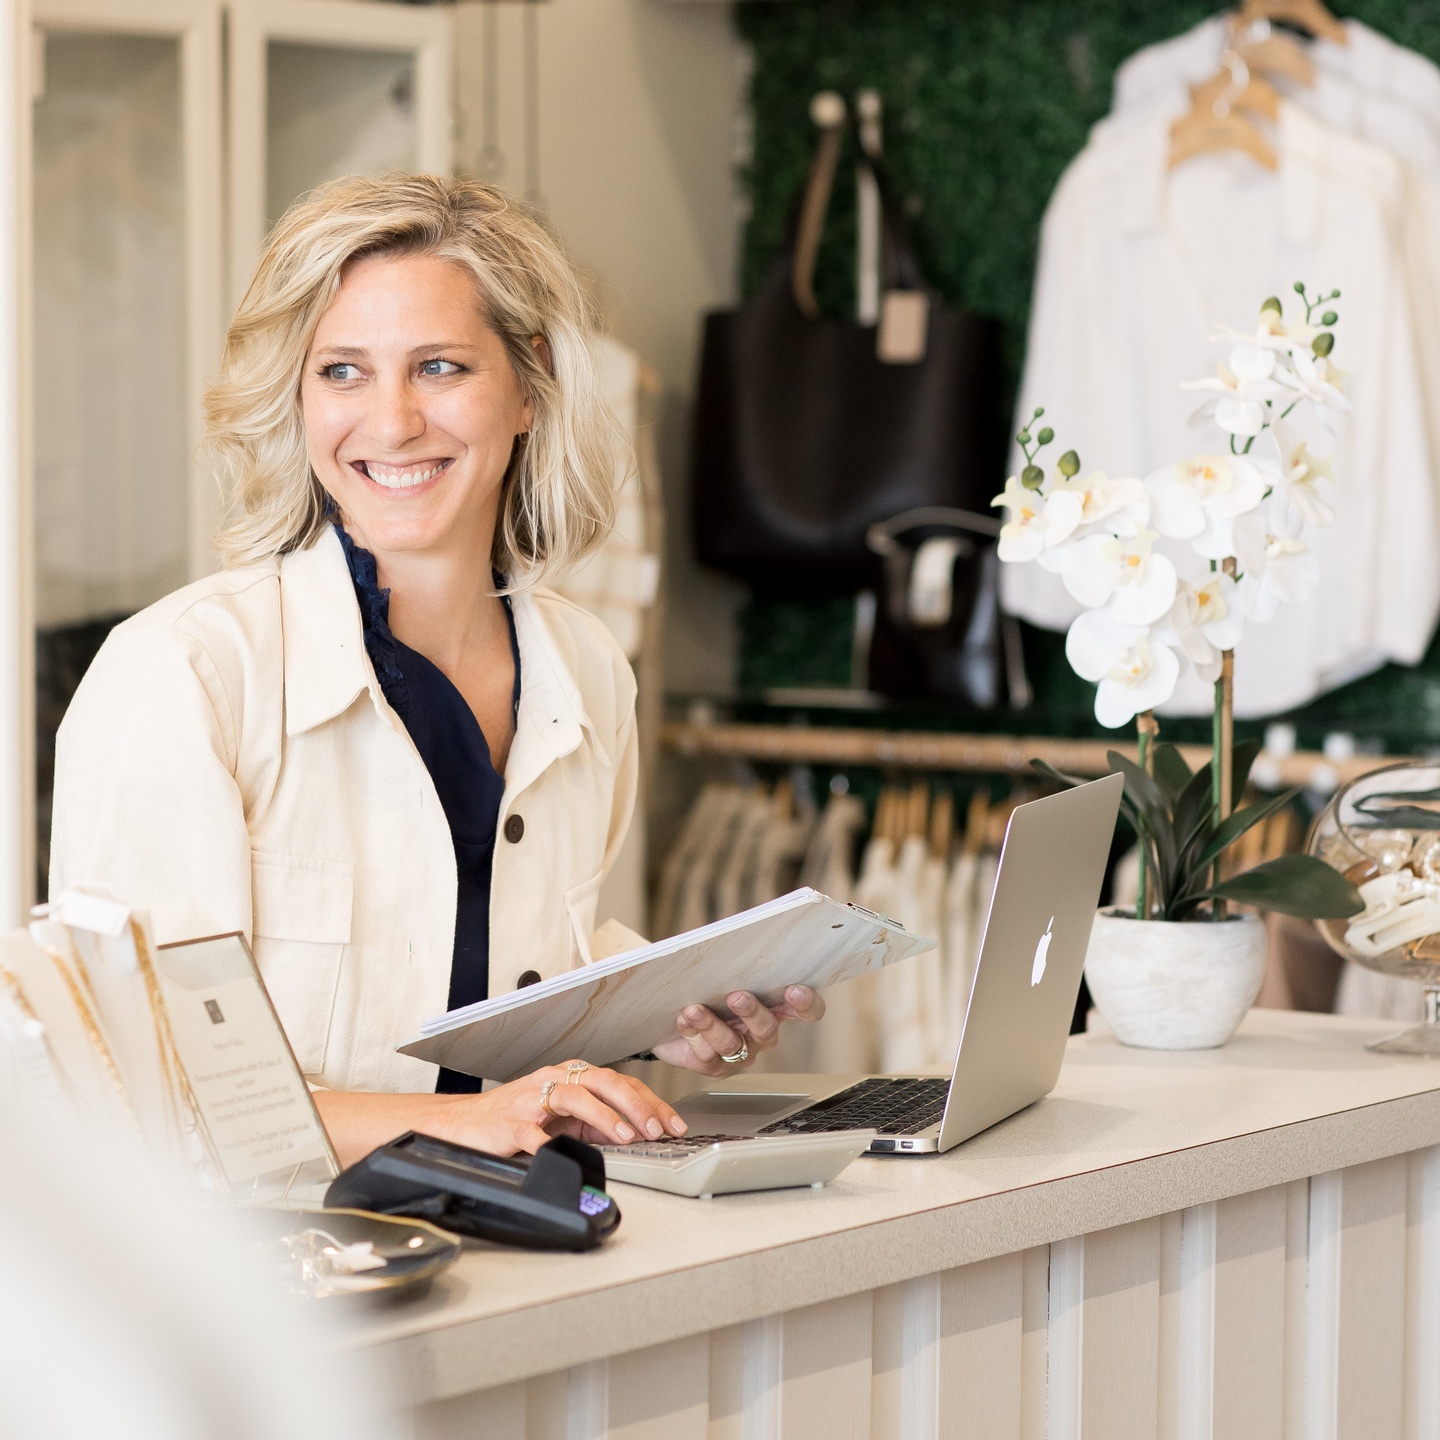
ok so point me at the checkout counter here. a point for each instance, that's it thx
(1242, 1242)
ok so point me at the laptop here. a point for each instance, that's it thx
(1022, 1000)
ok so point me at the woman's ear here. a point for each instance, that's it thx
(542, 349)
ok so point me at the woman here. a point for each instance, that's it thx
(373, 743)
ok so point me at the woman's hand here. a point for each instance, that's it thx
(593, 1104)
(705, 1037)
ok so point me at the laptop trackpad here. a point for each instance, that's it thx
(736, 1112)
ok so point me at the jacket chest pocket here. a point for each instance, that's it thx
(580, 903)
(302, 914)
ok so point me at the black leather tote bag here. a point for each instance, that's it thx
(804, 437)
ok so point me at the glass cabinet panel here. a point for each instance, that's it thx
(333, 111)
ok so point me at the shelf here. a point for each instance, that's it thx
(980, 754)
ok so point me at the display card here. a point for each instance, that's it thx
(252, 1097)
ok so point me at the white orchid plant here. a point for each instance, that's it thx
(1245, 508)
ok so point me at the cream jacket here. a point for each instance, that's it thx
(230, 763)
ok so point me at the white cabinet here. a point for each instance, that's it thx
(167, 136)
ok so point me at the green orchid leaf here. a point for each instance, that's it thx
(1194, 815)
(1046, 769)
(1155, 813)
(1229, 830)
(1172, 774)
(1297, 885)
(1242, 757)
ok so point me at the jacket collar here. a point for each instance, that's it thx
(325, 662)
(326, 666)
(552, 715)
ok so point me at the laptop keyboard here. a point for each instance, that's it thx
(894, 1107)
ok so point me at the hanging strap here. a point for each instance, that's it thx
(900, 270)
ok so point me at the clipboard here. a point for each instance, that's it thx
(619, 1007)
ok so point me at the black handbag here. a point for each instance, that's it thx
(804, 437)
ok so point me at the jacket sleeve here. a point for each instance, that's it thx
(146, 804)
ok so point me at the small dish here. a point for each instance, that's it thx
(319, 1254)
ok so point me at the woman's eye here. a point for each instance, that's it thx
(341, 370)
(439, 367)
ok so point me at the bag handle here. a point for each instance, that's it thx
(831, 116)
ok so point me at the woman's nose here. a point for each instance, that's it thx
(397, 415)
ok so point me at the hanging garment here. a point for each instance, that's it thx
(1413, 138)
(705, 813)
(737, 865)
(618, 581)
(1138, 265)
(900, 990)
(695, 903)
(846, 1042)
(1370, 60)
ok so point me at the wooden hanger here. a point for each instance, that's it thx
(1259, 95)
(977, 822)
(1308, 15)
(942, 825)
(1209, 129)
(1276, 53)
(918, 810)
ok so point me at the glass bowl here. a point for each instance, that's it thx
(1382, 832)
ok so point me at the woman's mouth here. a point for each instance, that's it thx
(400, 477)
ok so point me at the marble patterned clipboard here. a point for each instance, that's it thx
(618, 1007)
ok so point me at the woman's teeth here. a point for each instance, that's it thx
(403, 477)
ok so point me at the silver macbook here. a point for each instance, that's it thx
(1052, 865)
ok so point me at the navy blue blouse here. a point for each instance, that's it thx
(453, 747)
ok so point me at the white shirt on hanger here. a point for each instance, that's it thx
(1370, 59)
(1138, 265)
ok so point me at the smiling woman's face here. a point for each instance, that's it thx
(411, 406)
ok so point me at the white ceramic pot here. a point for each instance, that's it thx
(1167, 985)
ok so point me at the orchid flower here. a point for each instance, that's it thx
(1135, 670)
(1121, 506)
(1243, 386)
(1279, 567)
(1198, 500)
(1205, 621)
(1036, 522)
(1312, 377)
(1123, 572)
(1305, 483)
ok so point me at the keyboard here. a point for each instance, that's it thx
(899, 1106)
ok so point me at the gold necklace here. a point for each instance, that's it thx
(91, 1025)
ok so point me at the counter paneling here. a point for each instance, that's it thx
(1241, 1242)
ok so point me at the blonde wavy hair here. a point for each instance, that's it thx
(558, 499)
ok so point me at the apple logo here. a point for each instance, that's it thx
(1037, 971)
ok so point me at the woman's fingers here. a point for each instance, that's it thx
(800, 1003)
(580, 1103)
(640, 1105)
(762, 1029)
(710, 1038)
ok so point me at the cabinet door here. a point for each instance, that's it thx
(128, 322)
(323, 88)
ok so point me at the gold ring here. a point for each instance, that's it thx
(546, 1091)
(574, 1070)
(740, 1056)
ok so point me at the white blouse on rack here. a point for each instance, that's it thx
(1138, 265)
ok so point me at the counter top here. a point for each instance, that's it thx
(1127, 1134)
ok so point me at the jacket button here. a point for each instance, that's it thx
(514, 829)
(530, 977)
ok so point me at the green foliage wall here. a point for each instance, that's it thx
(986, 102)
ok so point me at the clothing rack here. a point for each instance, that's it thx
(980, 754)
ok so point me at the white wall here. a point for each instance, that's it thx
(639, 112)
